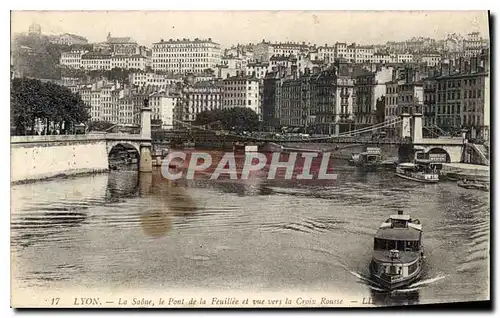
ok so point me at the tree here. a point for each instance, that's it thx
(54, 105)
(35, 56)
(237, 118)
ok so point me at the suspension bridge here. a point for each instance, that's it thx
(90, 152)
(197, 133)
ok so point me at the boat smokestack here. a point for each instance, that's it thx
(400, 212)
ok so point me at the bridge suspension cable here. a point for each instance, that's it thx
(431, 131)
(370, 128)
(387, 123)
(133, 116)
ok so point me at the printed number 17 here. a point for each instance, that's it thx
(55, 301)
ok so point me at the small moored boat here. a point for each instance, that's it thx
(421, 172)
(398, 252)
(473, 185)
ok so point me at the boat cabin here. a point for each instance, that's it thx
(429, 164)
(399, 232)
(397, 250)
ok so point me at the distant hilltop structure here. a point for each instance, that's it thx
(35, 29)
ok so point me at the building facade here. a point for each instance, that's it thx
(162, 81)
(163, 105)
(96, 61)
(181, 56)
(137, 62)
(242, 91)
(196, 98)
(72, 59)
(370, 87)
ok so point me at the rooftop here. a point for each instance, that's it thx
(402, 234)
(185, 41)
(240, 77)
(120, 40)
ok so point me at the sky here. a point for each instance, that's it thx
(232, 27)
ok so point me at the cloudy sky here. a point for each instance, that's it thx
(231, 27)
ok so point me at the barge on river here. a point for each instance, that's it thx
(398, 252)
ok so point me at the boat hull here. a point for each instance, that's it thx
(473, 186)
(396, 284)
(404, 176)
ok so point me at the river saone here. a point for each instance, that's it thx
(126, 230)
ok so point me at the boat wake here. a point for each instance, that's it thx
(372, 284)
(411, 288)
(427, 281)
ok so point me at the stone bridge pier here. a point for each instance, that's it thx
(145, 159)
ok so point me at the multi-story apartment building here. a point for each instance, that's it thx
(242, 91)
(413, 45)
(67, 39)
(271, 99)
(264, 50)
(137, 62)
(326, 53)
(96, 61)
(130, 105)
(370, 88)
(181, 56)
(162, 81)
(462, 99)
(332, 100)
(72, 59)
(410, 92)
(95, 97)
(289, 48)
(163, 104)
(257, 70)
(474, 42)
(295, 101)
(428, 58)
(196, 98)
(364, 53)
(392, 112)
(429, 104)
(384, 58)
(404, 58)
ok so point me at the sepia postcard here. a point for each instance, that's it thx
(249, 159)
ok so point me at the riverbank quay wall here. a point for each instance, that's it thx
(41, 157)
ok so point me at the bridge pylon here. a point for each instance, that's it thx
(411, 126)
(145, 159)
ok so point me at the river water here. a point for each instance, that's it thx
(129, 230)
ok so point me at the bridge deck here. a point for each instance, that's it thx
(71, 138)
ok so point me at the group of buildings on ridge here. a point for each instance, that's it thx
(321, 89)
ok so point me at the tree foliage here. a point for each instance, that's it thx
(35, 56)
(236, 118)
(33, 100)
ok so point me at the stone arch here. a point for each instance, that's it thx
(440, 151)
(122, 154)
(126, 144)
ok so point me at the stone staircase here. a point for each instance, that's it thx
(483, 152)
